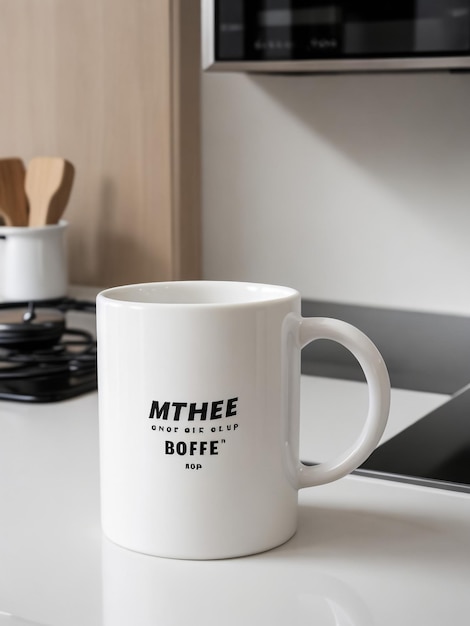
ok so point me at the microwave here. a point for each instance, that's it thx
(321, 36)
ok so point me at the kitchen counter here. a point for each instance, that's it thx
(367, 551)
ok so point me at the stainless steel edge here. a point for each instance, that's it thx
(413, 480)
(207, 32)
(340, 65)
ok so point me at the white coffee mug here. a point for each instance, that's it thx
(33, 262)
(199, 415)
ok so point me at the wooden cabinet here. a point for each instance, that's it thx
(113, 86)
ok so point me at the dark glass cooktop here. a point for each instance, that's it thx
(424, 351)
(435, 451)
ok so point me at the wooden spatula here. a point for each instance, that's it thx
(48, 185)
(13, 203)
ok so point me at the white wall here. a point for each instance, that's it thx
(350, 188)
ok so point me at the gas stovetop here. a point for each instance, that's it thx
(42, 358)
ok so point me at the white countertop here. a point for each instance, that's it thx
(366, 552)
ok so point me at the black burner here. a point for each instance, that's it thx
(31, 329)
(41, 360)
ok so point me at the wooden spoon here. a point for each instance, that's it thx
(48, 185)
(13, 204)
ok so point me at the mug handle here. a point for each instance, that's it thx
(375, 370)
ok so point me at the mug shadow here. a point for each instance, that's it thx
(317, 577)
(148, 590)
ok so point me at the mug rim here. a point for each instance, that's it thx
(203, 292)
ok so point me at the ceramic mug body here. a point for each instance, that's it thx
(199, 416)
(33, 262)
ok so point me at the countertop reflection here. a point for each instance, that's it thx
(366, 551)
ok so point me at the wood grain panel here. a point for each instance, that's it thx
(113, 86)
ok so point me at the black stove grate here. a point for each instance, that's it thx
(50, 371)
